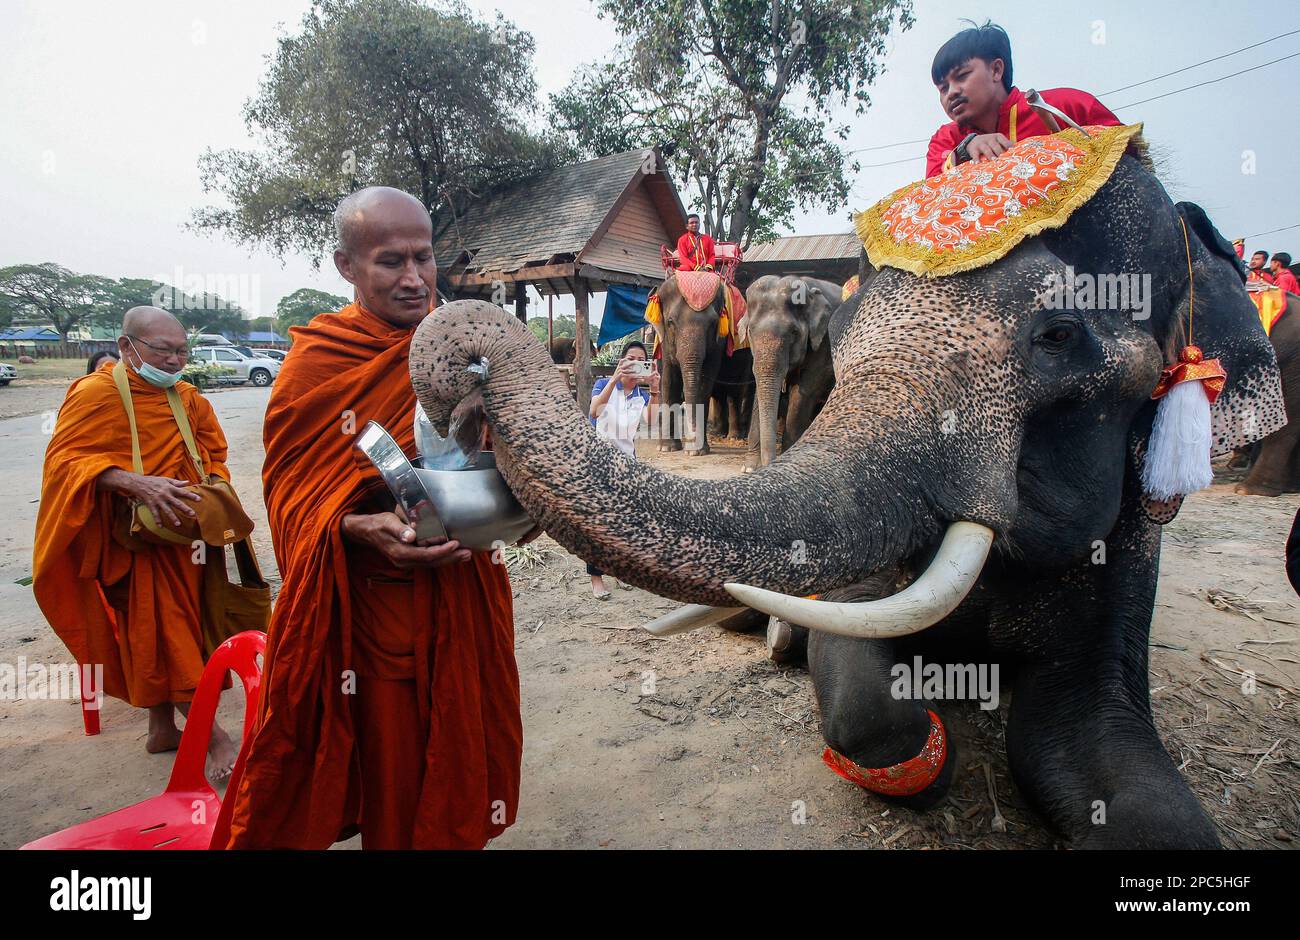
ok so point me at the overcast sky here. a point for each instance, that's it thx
(106, 108)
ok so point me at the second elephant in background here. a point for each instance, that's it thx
(786, 331)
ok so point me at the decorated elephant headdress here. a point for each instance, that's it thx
(975, 214)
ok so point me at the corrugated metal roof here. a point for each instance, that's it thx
(30, 333)
(806, 248)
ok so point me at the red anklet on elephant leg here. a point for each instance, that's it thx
(905, 779)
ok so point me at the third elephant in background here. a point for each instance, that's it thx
(786, 331)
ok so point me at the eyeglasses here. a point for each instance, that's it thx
(181, 351)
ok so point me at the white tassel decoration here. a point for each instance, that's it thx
(1178, 453)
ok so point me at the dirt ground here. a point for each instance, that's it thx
(38, 388)
(726, 751)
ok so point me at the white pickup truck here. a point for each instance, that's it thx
(258, 370)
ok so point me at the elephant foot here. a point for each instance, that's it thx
(698, 452)
(786, 644)
(751, 464)
(667, 447)
(1255, 489)
(1239, 462)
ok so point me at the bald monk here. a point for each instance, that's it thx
(134, 612)
(391, 697)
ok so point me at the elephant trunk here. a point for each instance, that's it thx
(815, 520)
(690, 362)
(770, 368)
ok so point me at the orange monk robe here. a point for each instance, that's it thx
(390, 703)
(136, 613)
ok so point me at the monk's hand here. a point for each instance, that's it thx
(166, 497)
(396, 541)
(988, 146)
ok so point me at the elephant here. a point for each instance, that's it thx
(732, 403)
(1275, 468)
(693, 352)
(785, 327)
(564, 350)
(972, 425)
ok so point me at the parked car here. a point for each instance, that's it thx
(276, 354)
(256, 369)
(7, 373)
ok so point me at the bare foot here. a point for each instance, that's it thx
(163, 733)
(221, 755)
(164, 739)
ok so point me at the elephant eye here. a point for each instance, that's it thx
(1056, 336)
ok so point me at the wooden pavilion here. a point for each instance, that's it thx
(572, 230)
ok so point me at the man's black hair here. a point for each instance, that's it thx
(1260, 252)
(693, 215)
(987, 42)
(1284, 258)
(638, 344)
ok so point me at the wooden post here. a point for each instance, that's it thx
(582, 362)
(550, 320)
(521, 302)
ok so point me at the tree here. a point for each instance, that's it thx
(739, 96)
(561, 326)
(298, 308)
(430, 100)
(50, 293)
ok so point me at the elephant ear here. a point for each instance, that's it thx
(820, 307)
(740, 333)
(1225, 324)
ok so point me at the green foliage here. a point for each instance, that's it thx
(426, 98)
(51, 294)
(203, 374)
(562, 326)
(738, 95)
(298, 308)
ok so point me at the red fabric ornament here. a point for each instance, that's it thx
(905, 779)
(1192, 366)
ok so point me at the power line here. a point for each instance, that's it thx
(1211, 81)
(919, 140)
(867, 166)
(1285, 228)
(1202, 62)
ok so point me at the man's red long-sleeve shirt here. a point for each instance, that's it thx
(695, 252)
(1082, 108)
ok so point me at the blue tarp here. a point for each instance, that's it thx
(624, 312)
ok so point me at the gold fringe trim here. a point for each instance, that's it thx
(1102, 154)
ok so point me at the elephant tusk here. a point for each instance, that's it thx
(923, 603)
(690, 617)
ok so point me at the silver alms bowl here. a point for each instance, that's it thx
(472, 506)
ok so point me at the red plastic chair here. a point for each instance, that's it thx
(187, 815)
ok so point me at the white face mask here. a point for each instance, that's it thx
(152, 374)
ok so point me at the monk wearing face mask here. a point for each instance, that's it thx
(135, 610)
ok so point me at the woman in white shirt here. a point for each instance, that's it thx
(616, 406)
